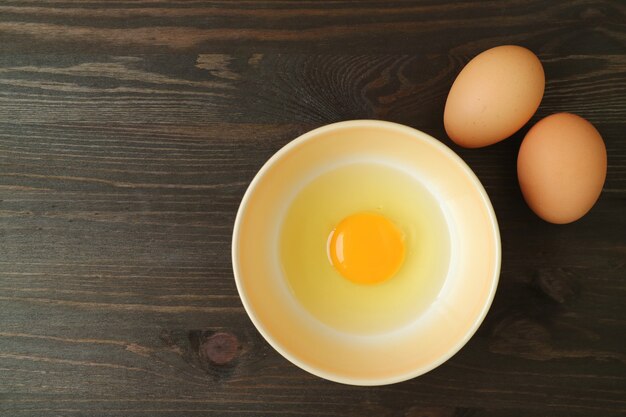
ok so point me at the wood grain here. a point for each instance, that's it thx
(129, 131)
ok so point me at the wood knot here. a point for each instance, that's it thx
(560, 285)
(591, 13)
(220, 348)
(521, 337)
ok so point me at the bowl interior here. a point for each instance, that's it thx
(390, 356)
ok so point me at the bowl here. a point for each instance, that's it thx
(387, 356)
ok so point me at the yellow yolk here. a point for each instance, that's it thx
(366, 248)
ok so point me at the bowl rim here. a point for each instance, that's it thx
(361, 123)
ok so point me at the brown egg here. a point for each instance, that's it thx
(494, 96)
(561, 167)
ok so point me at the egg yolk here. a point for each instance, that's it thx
(366, 248)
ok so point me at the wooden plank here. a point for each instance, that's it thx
(394, 26)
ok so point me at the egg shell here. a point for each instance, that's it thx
(561, 167)
(494, 96)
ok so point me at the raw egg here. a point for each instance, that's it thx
(561, 167)
(364, 247)
(494, 96)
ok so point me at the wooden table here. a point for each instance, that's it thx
(129, 131)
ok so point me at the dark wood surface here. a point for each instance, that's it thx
(129, 131)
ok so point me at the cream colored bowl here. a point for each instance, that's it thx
(394, 355)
